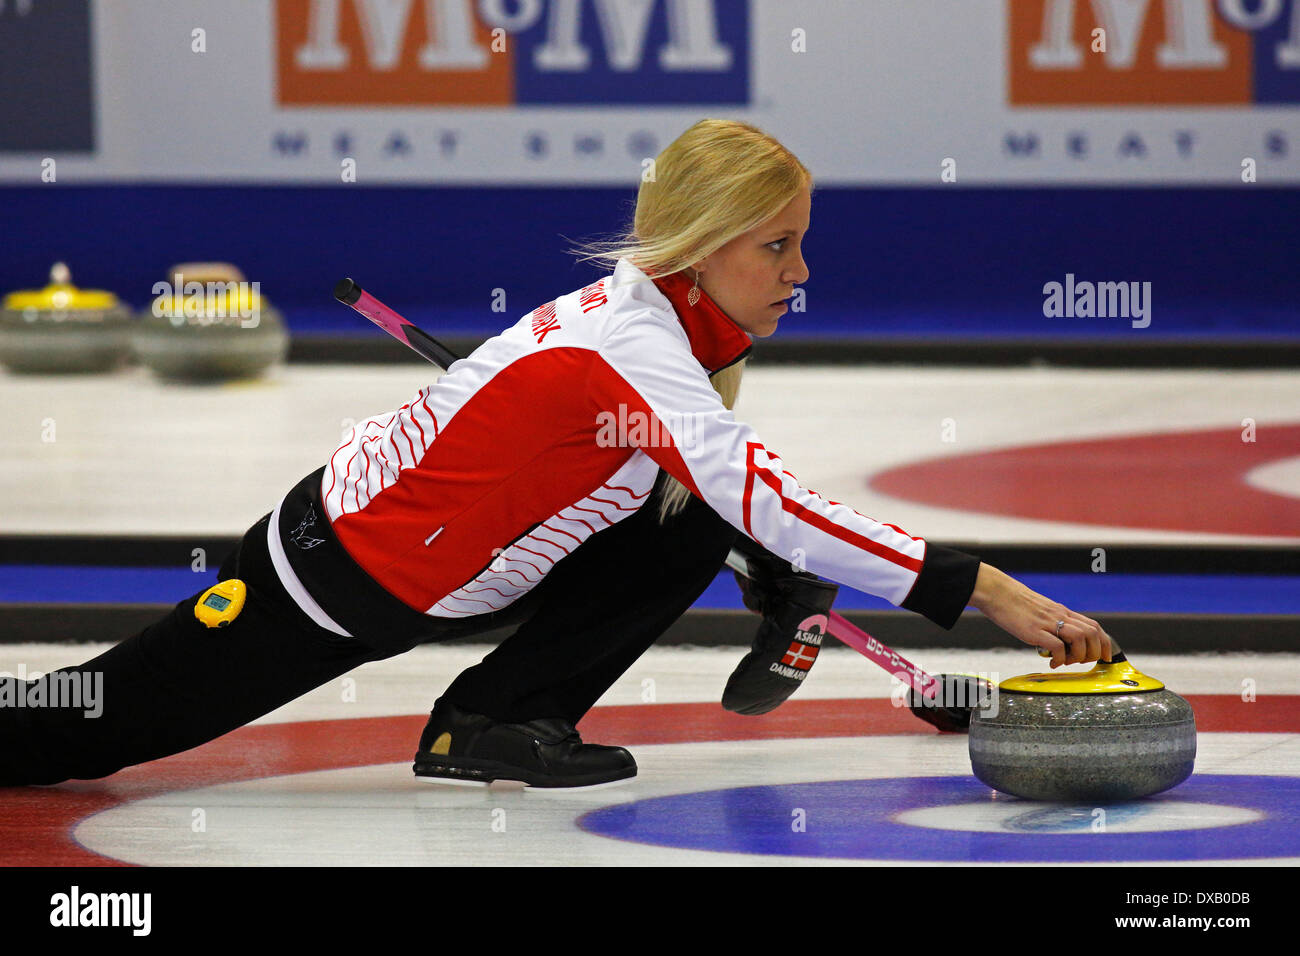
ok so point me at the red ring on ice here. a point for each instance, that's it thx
(1168, 481)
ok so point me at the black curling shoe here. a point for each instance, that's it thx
(460, 747)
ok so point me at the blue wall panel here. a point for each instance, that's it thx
(905, 262)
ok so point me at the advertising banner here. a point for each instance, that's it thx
(506, 92)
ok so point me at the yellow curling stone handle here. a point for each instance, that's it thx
(60, 295)
(1114, 677)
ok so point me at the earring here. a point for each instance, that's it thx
(694, 295)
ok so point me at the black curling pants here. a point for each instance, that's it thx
(178, 684)
(600, 609)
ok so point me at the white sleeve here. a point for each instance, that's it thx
(653, 384)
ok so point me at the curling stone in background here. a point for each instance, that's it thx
(209, 324)
(1105, 735)
(63, 329)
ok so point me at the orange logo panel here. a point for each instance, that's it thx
(326, 55)
(1097, 79)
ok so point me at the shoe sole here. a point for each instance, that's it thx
(486, 774)
(570, 788)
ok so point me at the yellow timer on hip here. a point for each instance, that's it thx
(221, 603)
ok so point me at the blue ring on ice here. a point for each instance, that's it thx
(853, 819)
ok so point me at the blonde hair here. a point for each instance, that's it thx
(718, 180)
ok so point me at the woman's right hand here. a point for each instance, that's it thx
(1032, 618)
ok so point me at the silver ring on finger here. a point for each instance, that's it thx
(1059, 625)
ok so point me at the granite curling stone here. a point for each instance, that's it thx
(208, 325)
(63, 329)
(1105, 735)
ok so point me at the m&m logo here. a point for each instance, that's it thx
(512, 52)
(1153, 52)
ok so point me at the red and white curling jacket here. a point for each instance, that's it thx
(462, 500)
